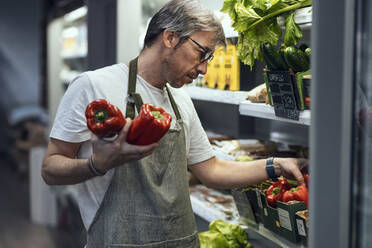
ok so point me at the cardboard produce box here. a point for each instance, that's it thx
(287, 220)
(254, 197)
(270, 216)
(244, 208)
(282, 219)
(302, 223)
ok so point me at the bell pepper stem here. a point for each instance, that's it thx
(100, 115)
(157, 115)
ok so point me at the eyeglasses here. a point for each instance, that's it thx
(207, 55)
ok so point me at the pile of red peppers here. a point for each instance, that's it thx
(282, 191)
(106, 120)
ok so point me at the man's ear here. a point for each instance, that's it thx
(170, 39)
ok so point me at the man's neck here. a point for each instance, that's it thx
(150, 68)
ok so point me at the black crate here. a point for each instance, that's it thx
(244, 208)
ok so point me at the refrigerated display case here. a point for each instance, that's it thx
(244, 119)
(74, 45)
(361, 221)
(67, 45)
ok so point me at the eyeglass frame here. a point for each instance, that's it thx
(207, 55)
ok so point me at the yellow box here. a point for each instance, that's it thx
(209, 77)
(220, 60)
(232, 69)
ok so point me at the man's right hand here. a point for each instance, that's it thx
(107, 155)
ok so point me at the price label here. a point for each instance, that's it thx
(284, 220)
(301, 227)
(284, 95)
(292, 114)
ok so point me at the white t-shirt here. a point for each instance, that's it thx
(111, 83)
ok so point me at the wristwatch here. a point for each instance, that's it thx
(270, 169)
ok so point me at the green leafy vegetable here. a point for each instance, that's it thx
(222, 234)
(229, 7)
(256, 23)
(212, 240)
(292, 31)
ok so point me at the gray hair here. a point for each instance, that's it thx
(184, 17)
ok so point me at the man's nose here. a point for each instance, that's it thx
(202, 67)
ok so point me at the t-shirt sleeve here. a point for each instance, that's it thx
(70, 122)
(200, 148)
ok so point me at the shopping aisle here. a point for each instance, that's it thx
(16, 230)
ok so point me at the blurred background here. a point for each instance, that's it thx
(44, 44)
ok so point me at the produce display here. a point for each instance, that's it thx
(299, 193)
(256, 23)
(222, 234)
(284, 191)
(106, 120)
(276, 191)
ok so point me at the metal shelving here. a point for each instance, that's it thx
(263, 110)
(246, 107)
(215, 95)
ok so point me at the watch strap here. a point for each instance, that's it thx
(270, 169)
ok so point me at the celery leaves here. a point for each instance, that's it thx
(292, 31)
(256, 23)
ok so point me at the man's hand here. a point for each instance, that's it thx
(107, 155)
(291, 168)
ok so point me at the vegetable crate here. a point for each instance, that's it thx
(286, 92)
(282, 220)
(304, 89)
(302, 227)
(244, 208)
(287, 220)
(254, 197)
(270, 216)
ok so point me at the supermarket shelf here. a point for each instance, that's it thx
(266, 111)
(303, 17)
(215, 95)
(204, 206)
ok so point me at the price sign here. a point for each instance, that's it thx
(284, 94)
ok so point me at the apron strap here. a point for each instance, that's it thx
(135, 99)
(173, 103)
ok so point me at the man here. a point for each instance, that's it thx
(137, 196)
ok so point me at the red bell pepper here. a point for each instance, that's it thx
(149, 126)
(299, 193)
(306, 177)
(275, 192)
(103, 118)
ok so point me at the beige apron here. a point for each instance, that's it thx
(147, 203)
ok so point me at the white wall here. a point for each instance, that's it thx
(129, 20)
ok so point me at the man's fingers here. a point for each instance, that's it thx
(124, 132)
(298, 176)
(147, 150)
